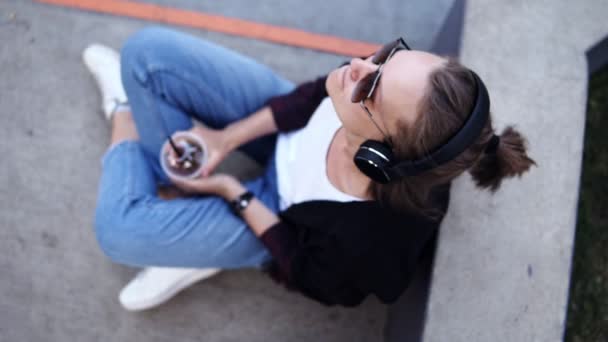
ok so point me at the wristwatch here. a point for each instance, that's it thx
(241, 202)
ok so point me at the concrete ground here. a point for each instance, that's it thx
(56, 284)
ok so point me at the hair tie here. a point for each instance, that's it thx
(492, 145)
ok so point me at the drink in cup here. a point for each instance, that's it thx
(192, 155)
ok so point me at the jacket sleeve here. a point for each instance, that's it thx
(293, 110)
(312, 263)
(281, 244)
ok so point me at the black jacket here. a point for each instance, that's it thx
(340, 252)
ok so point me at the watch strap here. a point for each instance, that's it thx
(241, 202)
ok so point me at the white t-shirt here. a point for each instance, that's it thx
(301, 160)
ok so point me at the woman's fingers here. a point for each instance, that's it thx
(214, 159)
(215, 140)
(213, 184)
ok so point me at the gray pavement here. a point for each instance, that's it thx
(56, 284)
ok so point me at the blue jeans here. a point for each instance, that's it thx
(170, 78)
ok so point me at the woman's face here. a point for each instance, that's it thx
(401, 86)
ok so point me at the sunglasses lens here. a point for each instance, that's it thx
(363, 87)
(382, 54)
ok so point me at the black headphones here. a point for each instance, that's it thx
(376, 160)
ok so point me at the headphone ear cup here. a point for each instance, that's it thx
(374, 158)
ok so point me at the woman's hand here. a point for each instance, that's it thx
(219, 184)
(219, 145)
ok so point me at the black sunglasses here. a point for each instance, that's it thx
(365, 88)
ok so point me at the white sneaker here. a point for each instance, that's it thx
(104, 63)
(155, 285)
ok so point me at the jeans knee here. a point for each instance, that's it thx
(114, 225)
(144, 40)
(140, 49)
(105, 227)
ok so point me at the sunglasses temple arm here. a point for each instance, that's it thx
(388, 139)
(404, 43)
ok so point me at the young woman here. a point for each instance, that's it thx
(358, 165)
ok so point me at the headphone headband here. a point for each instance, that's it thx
(376, 160)
(465, 137)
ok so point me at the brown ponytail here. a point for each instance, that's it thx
(509, 160)
(448, 100)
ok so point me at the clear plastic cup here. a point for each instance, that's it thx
(193, 156)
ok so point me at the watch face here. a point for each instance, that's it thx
(242, 202)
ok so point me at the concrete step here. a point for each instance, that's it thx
(502, 267)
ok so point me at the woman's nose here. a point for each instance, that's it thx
(360, 68)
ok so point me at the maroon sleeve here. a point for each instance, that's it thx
(315, 264)
(293, 110)
(311, 262)
(281, 243)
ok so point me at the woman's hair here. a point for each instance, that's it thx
(448, 101)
